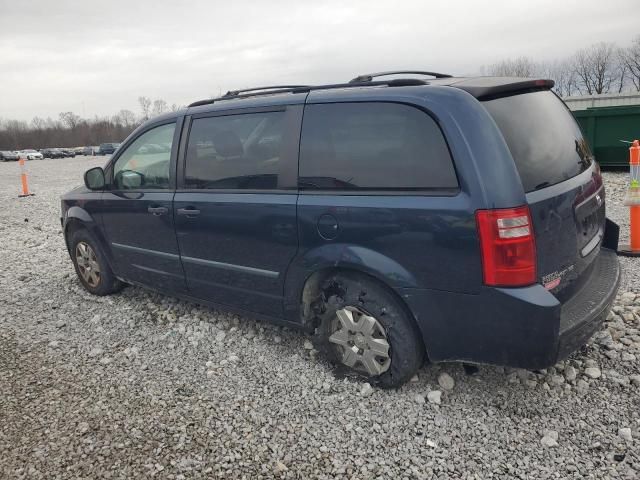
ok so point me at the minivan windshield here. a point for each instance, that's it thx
(544, 139)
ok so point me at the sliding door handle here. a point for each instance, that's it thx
(188, 212)
(158, 210)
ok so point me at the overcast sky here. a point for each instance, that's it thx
(97, 57)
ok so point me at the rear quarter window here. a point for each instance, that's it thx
(545, 141)
(373, 146)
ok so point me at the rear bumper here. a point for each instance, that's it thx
(517, 327)
(583, 314)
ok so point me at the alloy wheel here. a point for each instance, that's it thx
(88, 264)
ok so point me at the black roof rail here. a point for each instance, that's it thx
(201, 102)
(250, 92)
(235, 93)
(370, 76)
(254, 92)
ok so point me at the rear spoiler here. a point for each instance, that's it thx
(486, 88)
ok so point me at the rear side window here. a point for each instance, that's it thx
(372, 146)
(544, 139)
(235, 151)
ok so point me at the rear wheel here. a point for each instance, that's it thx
(363, 327)
(91, 264)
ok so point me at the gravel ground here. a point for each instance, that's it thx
(140, 385)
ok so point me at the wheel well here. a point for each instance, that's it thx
(73, 225)
(314, 288)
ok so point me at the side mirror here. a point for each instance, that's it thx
(94, 178)
(129, 179)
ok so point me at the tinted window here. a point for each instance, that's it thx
(372, 146)
(235, 151)
(145, 163)
(545, 140)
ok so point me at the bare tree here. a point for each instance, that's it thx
(13, 131)
(598, 69)
(70, 119)
(513, 67)
(159, 106)
(126, 118)
(622, 79)
(39, 123)
(69, 131)
(145, 106)
(563, 74)
(630, 58)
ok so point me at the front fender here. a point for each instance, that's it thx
(77, 213)
(78, 217)
(340, 256)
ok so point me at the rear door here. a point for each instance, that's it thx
(562, 182)
(137, 210)
(379, 192)
(235, 208)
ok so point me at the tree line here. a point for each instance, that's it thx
(600, 68)
(71, 130)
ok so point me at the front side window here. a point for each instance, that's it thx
(145, 163)
(235, 151)
(373, 146)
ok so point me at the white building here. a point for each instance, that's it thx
(604, 100)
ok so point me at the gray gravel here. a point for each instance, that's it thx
(140, 385)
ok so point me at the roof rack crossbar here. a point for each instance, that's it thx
(370, 76)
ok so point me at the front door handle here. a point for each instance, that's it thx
(157, 211)
(190, 212)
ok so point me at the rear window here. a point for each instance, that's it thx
(544, 139)
(373, 146)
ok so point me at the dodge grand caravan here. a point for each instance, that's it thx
(399, 218)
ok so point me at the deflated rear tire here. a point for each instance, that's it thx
(91, 265)
(365, 329)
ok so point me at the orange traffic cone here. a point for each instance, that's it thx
(23, 178)
(632, 200)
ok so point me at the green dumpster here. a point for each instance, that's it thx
(604, 127)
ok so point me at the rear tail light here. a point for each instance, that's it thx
(507, 246)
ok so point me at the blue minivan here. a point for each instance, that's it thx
(400, 217)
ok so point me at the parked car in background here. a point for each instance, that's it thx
(79, 150)
(90, 151)
(52, 153)
(68, 152)
(31, 154)
(9, 156)
(459, 219)
(107, 148)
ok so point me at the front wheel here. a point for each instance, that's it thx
(365, 328)
(91, 265)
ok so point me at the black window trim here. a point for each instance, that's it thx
(178, 121)
(288, 164)
(390, 192)
(393, 191)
